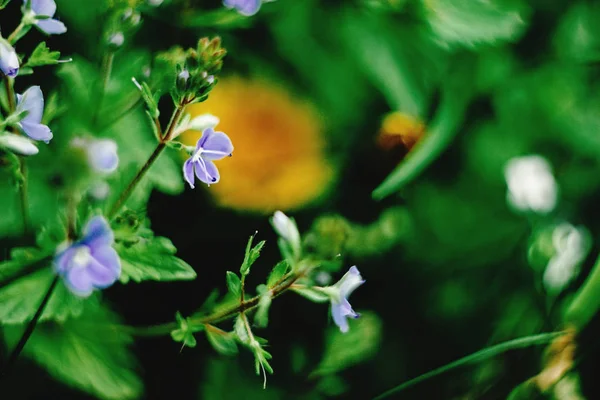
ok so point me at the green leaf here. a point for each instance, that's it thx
(88, 353)
(346, 349)
(470, 23)
(251, 255)
(152, 259)
(261, 318)
(239, 328)
(223, 342)
(278, 273)
(20, 299)
(42, 56)
(234, 284)
(185, 332)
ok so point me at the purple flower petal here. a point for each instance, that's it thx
(79, 281)
(188, 172)
(64, 260)
(51, 26)
(108, 257)
(216, 145)
(43, 7)
(100, 275)
(32, 101)
(339, 318)
(36, 131)
(207, 171)
(97, 232)
(244, 7)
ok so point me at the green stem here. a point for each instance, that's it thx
(586, 301)
(153, 157)
(227, 313)
(18, 33)
(479, 356)
(107, 65)
(29, 330)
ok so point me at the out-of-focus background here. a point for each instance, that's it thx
(403, 136)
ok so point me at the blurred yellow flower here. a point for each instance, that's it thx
(279, 161)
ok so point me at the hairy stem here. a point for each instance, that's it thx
(16, 34)
(29, 330)
(218, 316)
(151, 160)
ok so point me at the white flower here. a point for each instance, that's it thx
(531, 184)
(571, 245)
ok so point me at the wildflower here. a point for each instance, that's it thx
(531, 184)
(9, 62)
(32, 101)
(571, 245)
(116, 40)
(288, 231)
(45, 8)
(211, 146)
(90, 263)
(244, 7)
(340, 306)
(18, 144)
(257, 111)
(101, 153)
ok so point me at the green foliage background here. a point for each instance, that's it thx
(492, 79)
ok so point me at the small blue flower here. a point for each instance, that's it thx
(211, 146)
(32, 101)
(103, 156)
(90, 263)
(46, 8)
(9, 62)
(244, 7)
(340, 306)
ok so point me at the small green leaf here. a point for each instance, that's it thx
(152, 259)
(234, 283)
(252, 254)
(261, 318)
(239, 328)
(346, 349)
(88, 353)
(42, 56)
(278, 273)
(223, 342)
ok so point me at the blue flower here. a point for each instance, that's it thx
(46, 8)
(32, 101)
(90, 263)
(9, 62)
(211, 146)
(340, 306)
(101, 153)
(244, 7)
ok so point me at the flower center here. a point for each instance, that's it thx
(196, 155)
(81, 258)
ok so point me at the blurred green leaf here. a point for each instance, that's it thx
(184, 333)
(152, 259)
(234, 284)
(474, 22)
(223, 342)
(88, 353)
(277, 273)
(578, 36)
(344, 350)
(20, 299)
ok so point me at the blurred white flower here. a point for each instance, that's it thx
(571, 245)
(531, 184)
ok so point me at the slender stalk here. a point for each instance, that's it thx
(153, 157)
(227, 313)
(16, 34)
(23, 198)
(107, 65)
(29, 330)
(476, 357)
(586, 302)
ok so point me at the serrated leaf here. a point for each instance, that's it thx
(234, 284)
(346, 349)
(223, 342)
(20, 299)
(152, 259)
(185, 332)
(278, 273)
(42, 55)
(251, 255)
(88, 353)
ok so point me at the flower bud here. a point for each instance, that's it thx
(18, 144)
(531, 184)
(9, 62)
(286, 228)
(116, 40)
